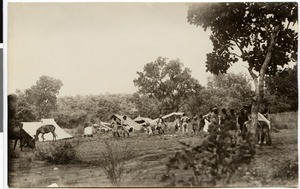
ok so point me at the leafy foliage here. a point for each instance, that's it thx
(168, 82)
(19, 110)
(146, 106)
(282, 91)
(229, 90)
(43, 95)
(62, 152)
(214, 161)
(247, 28)
(258, 33)
(78, 110)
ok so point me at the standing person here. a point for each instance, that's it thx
(195, 124)
(114, 126)
(201, 123)
(176, 123)
(242, 118)
(148, 128)
(184, 125)
(125, 126)
(224, 116)
(214, 120)
(160, 124)
(233, 119)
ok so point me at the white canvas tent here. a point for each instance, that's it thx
(31, 127)
(130, 122)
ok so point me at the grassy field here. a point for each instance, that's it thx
(145, 158)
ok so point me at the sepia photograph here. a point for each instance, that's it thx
(152, 94)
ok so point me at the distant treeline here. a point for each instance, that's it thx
(224, 91)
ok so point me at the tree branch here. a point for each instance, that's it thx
(288, 25)
(238, 45)
(236, 55)
(274, 36)
(253, 75)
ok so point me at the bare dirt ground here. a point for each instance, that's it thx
(147, 165)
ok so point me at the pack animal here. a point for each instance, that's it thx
(262, 132)
(44, 130)
(17, 133)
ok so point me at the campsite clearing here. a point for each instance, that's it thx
(147, 165)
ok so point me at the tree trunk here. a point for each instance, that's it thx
(262, 72)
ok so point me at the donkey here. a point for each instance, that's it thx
(17, 133)
(44, 130)
(262, 132)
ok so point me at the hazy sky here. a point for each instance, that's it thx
(96, 48)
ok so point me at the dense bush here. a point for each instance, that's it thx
(213, 162)
(61, 152)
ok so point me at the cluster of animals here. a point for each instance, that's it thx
(18, 133)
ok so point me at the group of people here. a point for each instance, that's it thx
(120, 129)
(225, 120)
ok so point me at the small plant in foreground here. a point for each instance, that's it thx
(215, 161)
(114, 160)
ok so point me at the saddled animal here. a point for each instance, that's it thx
(44, 130)
(17, 133)
(262, 132)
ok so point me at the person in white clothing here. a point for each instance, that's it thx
(184, 123)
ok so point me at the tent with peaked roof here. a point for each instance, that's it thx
(31, 127)
(130, 122)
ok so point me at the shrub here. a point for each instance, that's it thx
(61, 152)
(114, 160)
(80, 131)
(214, 161)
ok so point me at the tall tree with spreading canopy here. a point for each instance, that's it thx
(261, 34)
(43, 95)
(167, 81)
